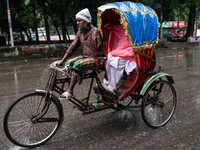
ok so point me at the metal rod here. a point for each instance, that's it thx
(178, 22)
(91, 83)
(10, 24)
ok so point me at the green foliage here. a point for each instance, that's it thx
(22, 11)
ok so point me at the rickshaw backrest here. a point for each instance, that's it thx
(146, 59)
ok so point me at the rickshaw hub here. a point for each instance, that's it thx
(160, 104)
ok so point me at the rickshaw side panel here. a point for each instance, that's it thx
(131, 84)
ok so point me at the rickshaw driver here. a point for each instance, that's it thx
(89, 37)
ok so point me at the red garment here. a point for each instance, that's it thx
(92, 45)
(118, 43)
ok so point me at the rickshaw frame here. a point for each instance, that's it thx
(48, 98)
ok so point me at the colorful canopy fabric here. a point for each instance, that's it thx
(140, 22)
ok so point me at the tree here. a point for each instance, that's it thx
(43, 5)
(3, 17)
(191, 20)
(27, 14)
(33, 6)
(192, 6)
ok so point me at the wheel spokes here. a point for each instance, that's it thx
(159, 104)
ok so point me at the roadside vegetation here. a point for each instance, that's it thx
(57, 15)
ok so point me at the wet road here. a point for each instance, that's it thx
(112, 129)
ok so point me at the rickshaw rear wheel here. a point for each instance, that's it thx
(158, 103)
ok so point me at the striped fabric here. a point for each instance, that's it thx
(82, 64)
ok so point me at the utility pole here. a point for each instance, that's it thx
(178, 23)
(10, 24)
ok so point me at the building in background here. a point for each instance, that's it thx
(171, 28)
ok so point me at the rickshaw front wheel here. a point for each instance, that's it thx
(158, 103)
(21, 125)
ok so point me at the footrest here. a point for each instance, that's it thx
(106, 93)
(96, 107)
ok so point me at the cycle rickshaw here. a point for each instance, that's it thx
(32, 119)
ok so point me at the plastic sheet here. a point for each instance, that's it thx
(140, 22)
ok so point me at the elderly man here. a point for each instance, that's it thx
(90, 39)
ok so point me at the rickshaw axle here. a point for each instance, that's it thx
(160, 104)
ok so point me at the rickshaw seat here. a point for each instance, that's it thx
(100, 68)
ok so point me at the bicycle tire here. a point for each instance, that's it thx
(18, 123)
(155, 110)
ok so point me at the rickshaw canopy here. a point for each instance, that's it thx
(140, 22)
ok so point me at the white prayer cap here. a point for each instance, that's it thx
(84, 15)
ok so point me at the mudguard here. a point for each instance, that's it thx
(154, 78)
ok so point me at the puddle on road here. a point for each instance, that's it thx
(126, 116)
(26, 79)
(16, 148)
(16, 82)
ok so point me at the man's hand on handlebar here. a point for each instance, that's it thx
(60, 63)
(57, 63)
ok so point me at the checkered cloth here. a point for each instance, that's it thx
(81, 64)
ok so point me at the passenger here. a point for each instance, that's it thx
(120, 56)
(89, 37)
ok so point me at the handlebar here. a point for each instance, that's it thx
(55, 67)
